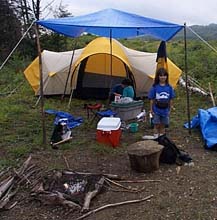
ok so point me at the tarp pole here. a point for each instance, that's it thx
(186, 82)
(70, 66)
(41, 85)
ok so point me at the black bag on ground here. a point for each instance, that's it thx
(171, 153)
(61, 131)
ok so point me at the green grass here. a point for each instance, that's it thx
(18, 152)
(100, 148)
(21, 122)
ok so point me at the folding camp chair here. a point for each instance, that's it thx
(92, 109)
(106, 113)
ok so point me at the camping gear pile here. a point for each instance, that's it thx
(63, 123)
(61, 133)
(127, 111)
(206, 122)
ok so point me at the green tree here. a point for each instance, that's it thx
(10, 28)
(54, 41)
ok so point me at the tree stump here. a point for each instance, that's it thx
(144, 155)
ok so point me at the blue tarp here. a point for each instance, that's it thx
(206, 120)
(71, 121)
(112, 23)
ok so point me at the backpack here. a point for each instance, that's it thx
(61, 131)
(170, 153)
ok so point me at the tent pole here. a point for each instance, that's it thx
(41, 85)
(70, 98)
(70, 66)
(186, 81)
(111, 57)
(72, 90)
(110, 86)
(37, 101)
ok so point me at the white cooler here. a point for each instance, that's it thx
(109, 131)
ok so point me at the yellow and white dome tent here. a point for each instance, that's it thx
(91, 70)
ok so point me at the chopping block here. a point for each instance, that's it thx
(144, 155)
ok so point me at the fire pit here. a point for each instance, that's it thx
(70, 188)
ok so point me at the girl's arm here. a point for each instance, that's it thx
(115, 93)
(151, 105)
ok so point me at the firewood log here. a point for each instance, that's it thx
(92, 194)
(6, 185)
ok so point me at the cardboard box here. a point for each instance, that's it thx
(127, 111)
(109, 131)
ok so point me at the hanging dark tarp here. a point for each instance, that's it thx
(162, 56)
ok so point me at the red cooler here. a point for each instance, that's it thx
(109, 131)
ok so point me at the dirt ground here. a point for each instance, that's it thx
(185, 192)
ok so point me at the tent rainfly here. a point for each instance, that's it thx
(91, 70)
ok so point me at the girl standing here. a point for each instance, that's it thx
(160, 96)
